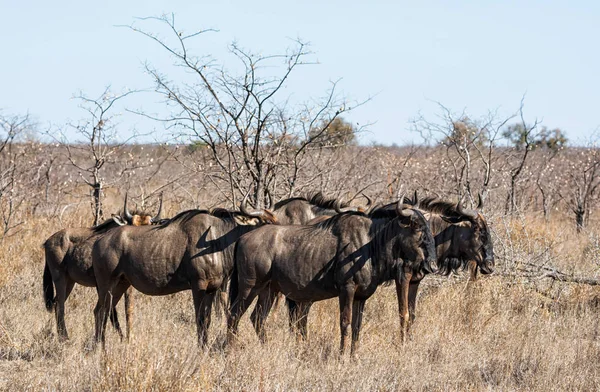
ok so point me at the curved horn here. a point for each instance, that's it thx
(479, 201)
(244, 203)
(401, 210)
(369, 202)
(270, 207)
(244, 209)
(415, 200)
(126, 212)
(337, 206)
(468, 213)
(156, 219)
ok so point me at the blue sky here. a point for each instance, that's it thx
(478, 55)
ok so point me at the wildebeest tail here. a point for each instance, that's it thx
(48, 288)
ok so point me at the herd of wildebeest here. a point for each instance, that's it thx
(305, 248)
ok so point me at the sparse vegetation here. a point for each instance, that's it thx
(518, 329)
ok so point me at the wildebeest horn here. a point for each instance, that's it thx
(401, 210)
(270, 207)
(415, 200)
(480, 201)
(468, 213)
(244, 208)
(157, 217)
(337, 206)
(369, 202)
(126, 212)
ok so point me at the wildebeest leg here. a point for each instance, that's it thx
(413, 288)
(292, 308)
(128, 311)
(107, 298)
(302, 318)
(238, 307)
(220, 302)
(346, 302)
(266, 299)
(357, 314)
(402, 284)
(114, 320)
(203, 306)
(472, 265)
(63, 286)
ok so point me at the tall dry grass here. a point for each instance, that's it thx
(504, 332)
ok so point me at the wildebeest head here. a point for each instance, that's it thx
(477, 243)
(417, 241)
(420, 241)
(139, 218)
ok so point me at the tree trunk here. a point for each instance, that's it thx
(579, 217)
(97, 194)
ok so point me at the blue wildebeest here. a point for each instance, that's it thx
(193, 250)
(462, 240)
(300, 211)
(69, 260)
(347, 256)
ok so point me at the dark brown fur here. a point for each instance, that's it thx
(347, 256)
(69, 261)
(193, 250)
(463, 241)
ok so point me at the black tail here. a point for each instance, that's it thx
(48, 289)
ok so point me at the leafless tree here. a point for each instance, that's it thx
(583, 180)
(524, 136)
(13, 170)
(258, 139)
(469, 145)
(96, 143)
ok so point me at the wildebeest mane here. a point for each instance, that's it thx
(283, 202)
(384, 211)
(317, 199)
(441, 207)
(107, 224)
(184, 216)
(328, 224)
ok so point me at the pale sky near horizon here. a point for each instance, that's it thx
(473, 55)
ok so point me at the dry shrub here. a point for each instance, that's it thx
(504, 332)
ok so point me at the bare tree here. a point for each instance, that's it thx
(13, 170)
(469, 145)
(96, 143)
(583, 180)
(258, 139)
(523, 137)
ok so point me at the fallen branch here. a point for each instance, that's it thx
(571, 279)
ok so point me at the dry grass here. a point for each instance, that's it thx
(499, 334)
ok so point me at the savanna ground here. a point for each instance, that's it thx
(513, 330)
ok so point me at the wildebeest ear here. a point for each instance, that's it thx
(118, 220)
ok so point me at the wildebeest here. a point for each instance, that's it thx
(302, 211)
(193, 250)
(69, 261)
(462, 239)
(347, 256)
